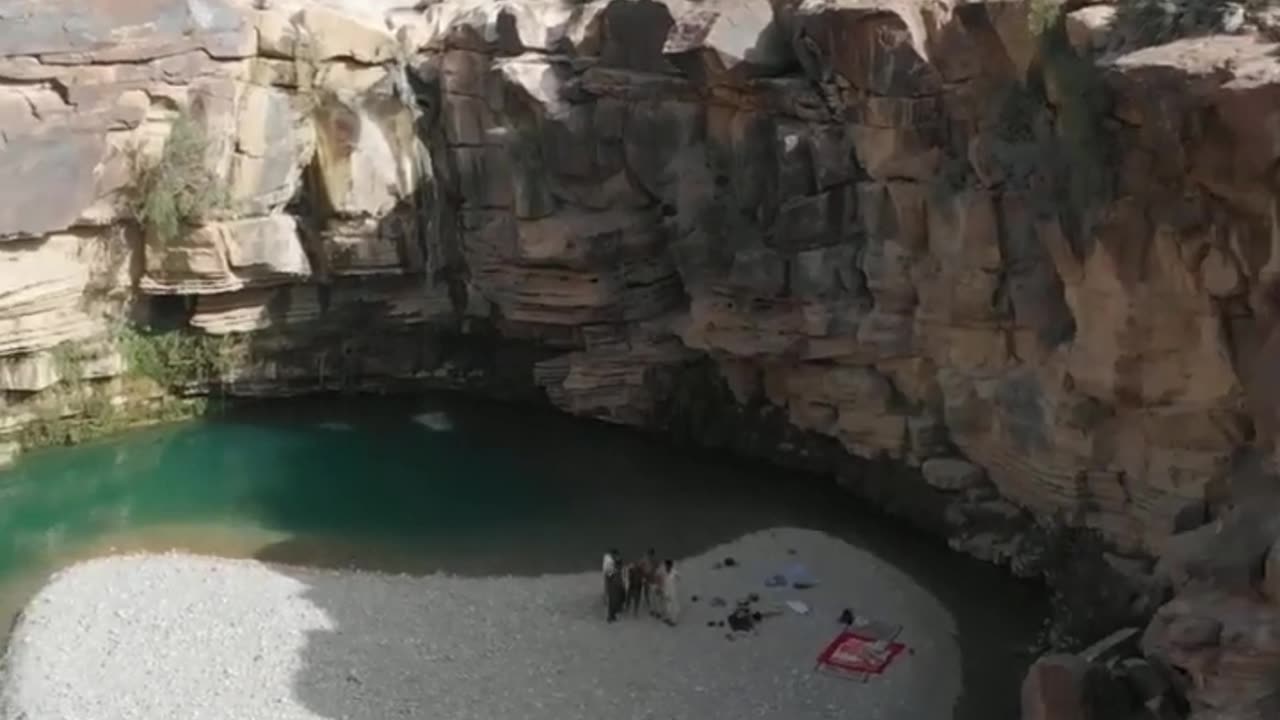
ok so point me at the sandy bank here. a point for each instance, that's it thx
(180, 636)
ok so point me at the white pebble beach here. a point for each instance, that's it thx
(186, 637)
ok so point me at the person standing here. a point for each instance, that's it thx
(637, 582)
(670, 593)
(610, 565)
(657, 582)
(615, 591)
(649, 572)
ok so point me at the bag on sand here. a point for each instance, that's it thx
(799, 577)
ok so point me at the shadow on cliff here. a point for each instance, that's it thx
(493, 490)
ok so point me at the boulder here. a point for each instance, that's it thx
(1055, 689)
(227, 256)
(265, 248)
(278, 36)
(1228, 553)
(879, 47)
(1088, 27)
(632, 34)
(365, 246)
(328, 34)
(1068, 687)
(256, 309)
(367, 152)
(42, 288)
(266, 120)
(1226, 645)
(723, 39)
(952, 474)
(29, 373)
(1120, 644)
(1220, 274)
(1147, 680)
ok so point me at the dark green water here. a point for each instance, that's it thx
(447, 484)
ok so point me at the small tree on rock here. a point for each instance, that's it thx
(176, 190)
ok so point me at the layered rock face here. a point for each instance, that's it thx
(1036, 267)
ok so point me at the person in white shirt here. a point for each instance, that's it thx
(610, 566)
(670, 593)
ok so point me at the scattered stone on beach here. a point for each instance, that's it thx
(1054, 689)
(740, 620)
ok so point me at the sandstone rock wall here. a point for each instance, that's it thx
(1030, 261)
(917, 228)
(842, 198)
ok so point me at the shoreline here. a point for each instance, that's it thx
(163, 635)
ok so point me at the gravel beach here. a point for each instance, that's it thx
(175, 636)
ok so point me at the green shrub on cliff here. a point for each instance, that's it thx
(177, 359)
(68, 360)
(1042, 15)
(177, 189)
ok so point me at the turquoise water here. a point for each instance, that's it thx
(449, 484)
(295, 478)
(404, 480)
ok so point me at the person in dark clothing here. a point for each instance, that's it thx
(649, 568)
(637, 586)
(616, 591)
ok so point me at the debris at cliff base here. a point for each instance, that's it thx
(1108, 679)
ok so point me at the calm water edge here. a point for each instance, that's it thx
(443, 483)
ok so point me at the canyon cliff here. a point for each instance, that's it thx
(1006, 268)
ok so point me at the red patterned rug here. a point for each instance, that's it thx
(854, 653)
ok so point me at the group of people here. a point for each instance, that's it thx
(627, 584)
